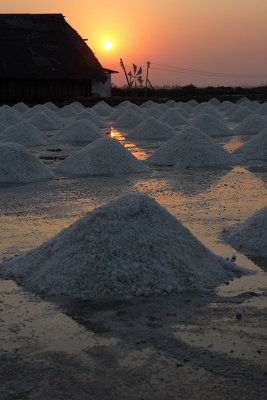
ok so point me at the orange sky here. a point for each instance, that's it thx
(225, 36)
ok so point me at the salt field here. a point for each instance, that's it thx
(119, 291)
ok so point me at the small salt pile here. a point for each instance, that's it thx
(254, 149)
(262, 110)
(129, 247)
(250, 237)
(19, 165)
(53, 116)
(34, 110)
(211, 125)
(9, 116)
(2, 127)
(82, 130)
(185, 106)
(43, 122)
(51, 106)
(68, 111)
(153, 112)
(192, 148)
(251, 125)
(226, 105)
(215, 102)
(239, 114)
(193, 103)
(78, 106)
(105, 156)
(24, 133)
(93, 117)
(21, 107)
(173, 117)
(102, 109)
(128, 119)
(151, 128)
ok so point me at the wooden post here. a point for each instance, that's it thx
(126, 76)
(147, 68)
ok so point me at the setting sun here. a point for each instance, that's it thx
(107, 44)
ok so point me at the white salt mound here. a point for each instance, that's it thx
(82, 130)
(254, 149)
(192, 148)
(151, 128)
(102, 109)
(93, 117)
(24, 133)
(9, 116)
(211, 125)
(68, 111)
(19, 165)
(43, 122)
(239, 114)
(2, 127)
(173, 117)
(250, 237)
(34, 110)
(129, 247)
(251, 125)
(21, 107)
(51, 106)
(105, 156)
(128, 119)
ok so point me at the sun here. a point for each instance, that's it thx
(107, 44)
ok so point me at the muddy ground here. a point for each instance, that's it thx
(193, 346)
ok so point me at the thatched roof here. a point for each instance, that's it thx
(44, 46)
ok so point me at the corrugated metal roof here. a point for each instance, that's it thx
(44, 46)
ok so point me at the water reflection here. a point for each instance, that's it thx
(135, 150)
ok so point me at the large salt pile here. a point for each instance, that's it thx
(262, 109)
(105, 156)
(82, 130)
(151, 128)
(251, 236)
(42, 121)
(192, 148)
(173, 117)
(24, 133)
(34, 110)
(211, 125)
(19, 165)
(251, 125)
(91, 116)
(128, 119)
(2, 127)
(51, 106)
(153, 112)
(254, 149)
(129, 247)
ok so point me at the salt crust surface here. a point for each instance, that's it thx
(251, 236)
(129, 247)
(254, 149)
(251, 125)
(192, 148)
(211, 125)
(105, 156)
(24, 133)
(151, 128)
(19, 165)
(81, 130)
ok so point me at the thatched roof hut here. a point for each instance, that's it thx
(44, 58)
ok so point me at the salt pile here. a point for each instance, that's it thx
(2, 127)
(19, 165)
(105, 156)
(251, 125)
(255, 148)
(9, 116)
(21, 107)
(34, 110)
(102, 109)
(51, 106)
(153, 112)
(129, 247)
(173, 117)
(250, 237)
(128, 119)
(151, 128)
(239, 114)
(68, 111)
(91, 116)
(211, 125)
(192, 148)
(24, 133)
(263, 108)
(82, 130)
(42, 121)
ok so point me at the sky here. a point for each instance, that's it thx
(200, 42)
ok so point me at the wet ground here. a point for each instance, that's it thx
(195, 346)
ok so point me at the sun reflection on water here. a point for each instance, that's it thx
(136, 151)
